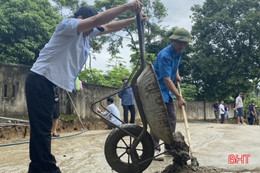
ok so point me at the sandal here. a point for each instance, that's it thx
(55, 135)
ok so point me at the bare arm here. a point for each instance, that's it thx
(107, 16)
(235, 108)
(116, 26)
(178, 78)
(170, 85)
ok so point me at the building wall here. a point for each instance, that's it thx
(12, 96)
(12, 81)
(82, 100)
(198, 110)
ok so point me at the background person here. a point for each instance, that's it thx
(111, 110)
(128, 102)
(56, 113)
(222, 111)
(239, 109)
(251, 111)
(257, 115)
(166, 68)
(215, 107)
(59, 63)
(226, 113)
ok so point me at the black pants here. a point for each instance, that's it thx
(40, 101)
(172, 119)
(251, 120)
(222, 118)
(131, 108)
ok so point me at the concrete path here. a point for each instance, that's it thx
(212, 143)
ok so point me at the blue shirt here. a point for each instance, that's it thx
(251, 109)
(166, 65)
(112, 110)
(127, 96)
(62, 58)
(227, 110)
(216, 107)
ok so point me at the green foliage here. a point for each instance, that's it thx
(116, 61)
(226, 50)
(114, 40)
(93, 76)
(112, 78)
(71, 4)
(66, 8)
(189, 91)
(115, 76)
(25, 27)
(253, 95)
(102, 5)
(156, 12)
(135, 57)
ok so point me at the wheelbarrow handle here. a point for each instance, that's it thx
(140, 27)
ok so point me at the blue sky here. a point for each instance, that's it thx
(178, 15)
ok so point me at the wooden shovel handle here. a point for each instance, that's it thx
(186, 124)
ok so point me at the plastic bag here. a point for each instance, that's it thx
(79, 85)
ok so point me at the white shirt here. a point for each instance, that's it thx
(221, 108)
(239, 102)
(62, 58)
(112, 110)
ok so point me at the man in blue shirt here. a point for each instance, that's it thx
(215, 107)
(252, 113)
(166, 68)
(128, 102)
(59, 63)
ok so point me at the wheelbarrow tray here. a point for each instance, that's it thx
(153, 105)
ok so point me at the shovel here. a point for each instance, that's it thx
(194, 161)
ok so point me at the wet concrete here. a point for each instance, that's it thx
(212, 143)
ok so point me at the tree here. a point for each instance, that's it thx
(71, 5)
(25, 27)
(93, 76)
(153, 31)
(116, 61)
(155, 11)
(226, 48)
(113, 40)
(189, 91)
(153, 47)
(114, 77)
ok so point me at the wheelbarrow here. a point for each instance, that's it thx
(129, 148)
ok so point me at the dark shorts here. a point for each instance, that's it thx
(240, 112)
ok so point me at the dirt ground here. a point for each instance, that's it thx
(82, 153)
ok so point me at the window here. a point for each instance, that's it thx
(5, 90)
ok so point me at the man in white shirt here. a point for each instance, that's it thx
(112, 114)
(222, 111)
(239, 109)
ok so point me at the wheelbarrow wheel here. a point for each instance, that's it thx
(119, 142)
